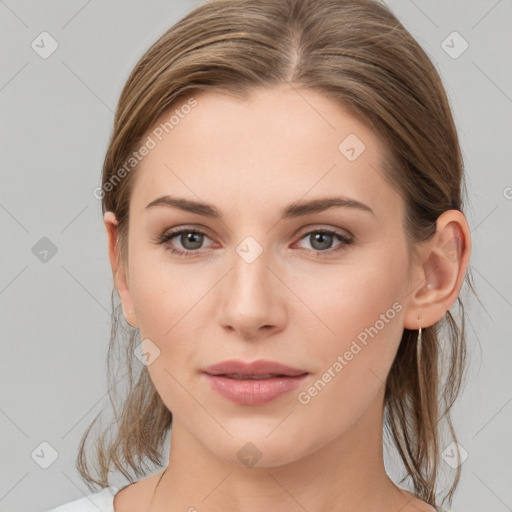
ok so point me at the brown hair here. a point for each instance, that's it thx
(358, 53)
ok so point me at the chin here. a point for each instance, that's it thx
(255, 447)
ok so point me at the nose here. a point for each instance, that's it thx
(251, 299)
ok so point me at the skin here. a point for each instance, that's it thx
(251, 158)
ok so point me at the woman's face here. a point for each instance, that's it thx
(257, 284)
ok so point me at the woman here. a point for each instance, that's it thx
(282, 197)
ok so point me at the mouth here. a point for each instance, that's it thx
(261, 369)
(254, 383)
(240, 376)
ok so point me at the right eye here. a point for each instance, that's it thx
(190, 239)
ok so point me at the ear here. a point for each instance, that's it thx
(438, 272)
(118, 271)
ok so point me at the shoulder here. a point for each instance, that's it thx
(102, 501)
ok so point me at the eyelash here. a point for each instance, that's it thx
(345, 241)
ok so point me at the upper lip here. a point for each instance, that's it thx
(260, 367)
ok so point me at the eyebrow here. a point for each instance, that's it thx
(297, 209)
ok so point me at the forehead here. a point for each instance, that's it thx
(276, 145)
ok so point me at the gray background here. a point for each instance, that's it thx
(56, 119)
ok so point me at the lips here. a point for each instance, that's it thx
(255, 383)
(241, 376)
(262, 368)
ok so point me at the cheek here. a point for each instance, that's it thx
(345, 300)
(355, 361)
(166, 304)
(169, 309)
(362, 310)
(163, 291)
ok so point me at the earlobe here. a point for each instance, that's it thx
(120, 279)
(441, 270)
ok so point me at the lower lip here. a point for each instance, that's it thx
(252, 391)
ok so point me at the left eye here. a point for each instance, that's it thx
(191, 240)
(322, 239)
